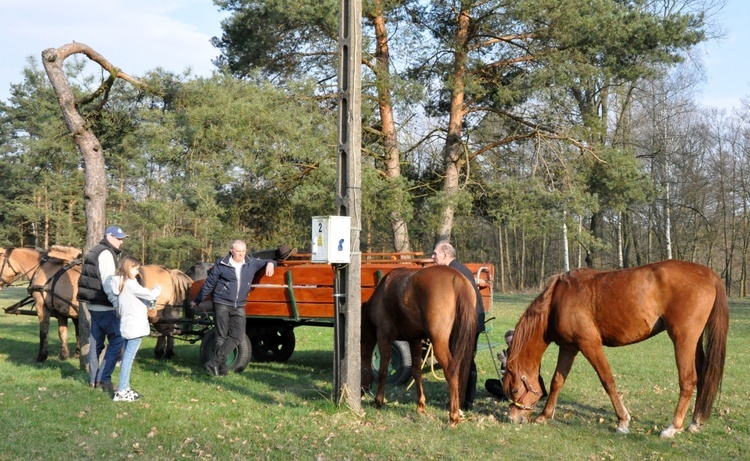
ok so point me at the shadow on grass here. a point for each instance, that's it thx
(23, 353)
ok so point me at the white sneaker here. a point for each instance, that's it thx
(128, 395)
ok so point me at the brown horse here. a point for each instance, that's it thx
(435, 303)
(171, 303)
(53, 284)
(585, 309)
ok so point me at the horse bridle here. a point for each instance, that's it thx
(6, 263)
(527, 389)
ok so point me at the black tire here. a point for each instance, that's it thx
(273, 345)
(238, 358)
(399, 370)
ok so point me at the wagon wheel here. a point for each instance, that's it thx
(237, 359)
(273, 346)
(399, 370)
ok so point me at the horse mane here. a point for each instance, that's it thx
(180, 284)
(64, 253)
(533, 322)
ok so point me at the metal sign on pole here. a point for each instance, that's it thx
(347, 317)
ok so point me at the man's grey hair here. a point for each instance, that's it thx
(446, 248)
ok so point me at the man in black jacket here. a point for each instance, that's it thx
(229, 282)
(100, 262)
(445, 255)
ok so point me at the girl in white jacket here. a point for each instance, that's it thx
(133, 313)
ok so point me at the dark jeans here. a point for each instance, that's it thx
(104, 326)
(471, 385)
(230, 328)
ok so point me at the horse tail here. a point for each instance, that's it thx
(711, 369)
(464, 332)
(181, 287)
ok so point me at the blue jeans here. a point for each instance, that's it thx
(128, 357)
(104, 325)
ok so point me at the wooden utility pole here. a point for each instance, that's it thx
(347, 363)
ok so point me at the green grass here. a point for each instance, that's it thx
(285, 411)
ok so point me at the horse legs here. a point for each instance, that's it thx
(685, 355)
(444, 358)
(565, 359)
(62, 333)
(170, 347)
(160, 347)
(43, 314)
(384, 344)
(78, 338)
(594, 352)
(415, 348)
(367, 346)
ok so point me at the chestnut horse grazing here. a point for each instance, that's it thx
(170, 304)
(53, 284)
(586, 309)
(435, 303)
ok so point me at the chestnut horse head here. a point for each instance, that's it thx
(584, 310)
(435, 303)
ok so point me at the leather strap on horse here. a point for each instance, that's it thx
(53, 280)
(17, 274)
(528, 389)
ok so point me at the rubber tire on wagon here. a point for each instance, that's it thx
(275, 345)
(237, 359)
(399, 370)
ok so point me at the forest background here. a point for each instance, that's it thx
(537, 135)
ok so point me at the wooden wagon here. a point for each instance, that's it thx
(301, 293)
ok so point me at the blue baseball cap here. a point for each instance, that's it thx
(116, 232)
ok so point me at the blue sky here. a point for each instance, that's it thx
(139, 35)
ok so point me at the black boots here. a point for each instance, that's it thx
(471, 389)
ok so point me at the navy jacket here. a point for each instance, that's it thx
(223, 285)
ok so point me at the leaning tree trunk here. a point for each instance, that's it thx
(95, 189)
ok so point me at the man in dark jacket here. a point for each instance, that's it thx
(100, 262)
(445, 255)
(229, 282)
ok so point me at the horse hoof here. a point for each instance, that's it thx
(694, 428)
(41, 358)
(622, 430)
(669, 432)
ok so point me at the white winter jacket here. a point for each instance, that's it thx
(131, 308)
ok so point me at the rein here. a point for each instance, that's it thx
(528, 389)
(17, 274)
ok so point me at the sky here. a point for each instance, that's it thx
(140, 35)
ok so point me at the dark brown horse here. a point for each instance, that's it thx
(585, 309)
(53, 284)
(170, 305)
(435, 303)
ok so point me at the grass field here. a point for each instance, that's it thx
(285, 411)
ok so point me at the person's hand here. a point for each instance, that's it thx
(269, 269)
